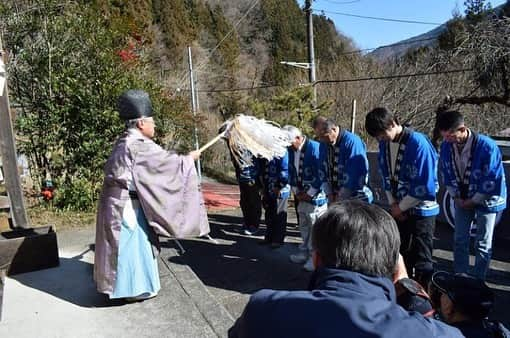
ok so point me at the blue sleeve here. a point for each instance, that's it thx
(444, 162)
(284, 169)
(423, 172)
(491, 178)
(356, 163)
(320, 165)
(316, 158)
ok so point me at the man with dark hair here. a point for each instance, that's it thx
(351, 294)
(317, 126)
(347, 164)
(465, 302)
(473, 173)
(408, 164)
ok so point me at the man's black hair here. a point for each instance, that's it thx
(449, 120)
(378, 120)
(357, 236)
(328, 125)
(319, 119)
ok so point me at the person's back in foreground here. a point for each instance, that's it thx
(351, 295)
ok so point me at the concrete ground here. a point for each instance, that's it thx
(203, 288)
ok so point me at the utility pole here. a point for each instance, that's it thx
(194, 105)
(311, 55)
(8, 151)
(353, 116)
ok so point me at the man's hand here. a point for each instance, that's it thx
(195, 154)
(397, 213)
(468, 204)
(458, 202)
(303, 196)
(400, 270)
(276, 192)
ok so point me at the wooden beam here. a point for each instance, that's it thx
(9, 158)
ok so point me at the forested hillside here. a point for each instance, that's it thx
(68, 60)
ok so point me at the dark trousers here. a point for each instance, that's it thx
(416, 244)
(251, 205)
(276, 219)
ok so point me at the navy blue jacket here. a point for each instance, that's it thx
(341, 304)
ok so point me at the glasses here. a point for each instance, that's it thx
(148, 121)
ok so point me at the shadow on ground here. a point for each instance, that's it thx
(72, 281)
(239, 263)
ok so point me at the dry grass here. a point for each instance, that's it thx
(41, 216)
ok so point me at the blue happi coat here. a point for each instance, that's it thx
(351, 170)
(418, 174)
(248, 174)
(487, 173)
(276, 175)
(312, 171)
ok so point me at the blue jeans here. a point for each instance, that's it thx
(485, 222)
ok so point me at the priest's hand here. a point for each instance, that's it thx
(195, 154)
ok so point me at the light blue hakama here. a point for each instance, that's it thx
(137, 267)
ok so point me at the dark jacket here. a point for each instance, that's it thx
(482, 329)
(341, 304)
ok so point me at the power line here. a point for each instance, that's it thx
(378, 18)
(235, 89)
(371, 78)
(398, 76)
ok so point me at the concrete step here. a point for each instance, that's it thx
(214, 313)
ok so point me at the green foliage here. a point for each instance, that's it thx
(293, 106)
(76, 194)
(66, 75)
(185, 21)
(287, 41)
(476, 10)
(457, 27)
(451, 37)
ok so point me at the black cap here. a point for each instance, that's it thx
(470, 296)
(134, 104)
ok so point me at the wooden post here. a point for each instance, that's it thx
(2, 283)
(8, 152)
(353, 116)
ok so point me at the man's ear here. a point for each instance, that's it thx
(316, 259)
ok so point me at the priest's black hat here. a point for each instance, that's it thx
(134, 104)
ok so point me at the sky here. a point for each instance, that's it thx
(372, 33)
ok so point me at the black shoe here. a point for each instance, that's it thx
(276, 245)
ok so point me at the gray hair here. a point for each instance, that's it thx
(130, 124)
(292, 131)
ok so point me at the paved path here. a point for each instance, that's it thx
(203, 288)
